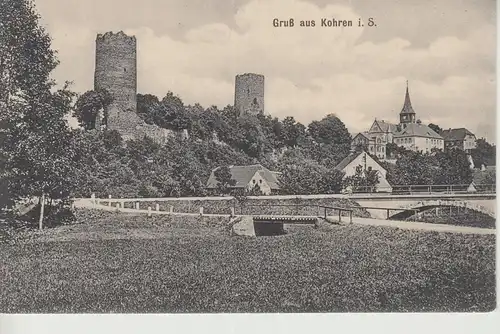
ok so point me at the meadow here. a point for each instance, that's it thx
(117, 263)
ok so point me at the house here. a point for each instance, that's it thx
(247, 177)
(460, 138)
(361, 158)
(419, 137)
(363, 140)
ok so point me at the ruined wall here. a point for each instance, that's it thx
(116, 71)
(249, 93)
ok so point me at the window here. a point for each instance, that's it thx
(253, 181)
(369, 168)
(124, 69)
(260, 181)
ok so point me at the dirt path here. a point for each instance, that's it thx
(423, 226)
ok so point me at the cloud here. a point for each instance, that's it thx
(310, 72)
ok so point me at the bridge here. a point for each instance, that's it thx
(386, 206)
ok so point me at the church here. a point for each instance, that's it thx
(409, 133)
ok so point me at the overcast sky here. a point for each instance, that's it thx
(194, 48)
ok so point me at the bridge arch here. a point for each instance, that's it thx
(421, 206)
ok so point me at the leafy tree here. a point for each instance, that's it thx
(224, 179)
(36, 143)
(484, 153)
(302, 176)
(330, 130)
(147, 106)
(362, 180)
(90, 106)
(453, 167)
(292, 132)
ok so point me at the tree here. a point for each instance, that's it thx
(484, 153)
(330, 130)
(436, 128)
(91, 105)
(301, 176)
(224, 179)
(36, 141)
(362, 180)
(147, 106)
(453, 167)
(292, 132)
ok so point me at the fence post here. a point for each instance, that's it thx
(388, 213)
(117, 206)
(149, 211)
(350, 216)
(157, 207)
(232, 211)
(340, 216)
(171, 209)
(137, 206)
(201, 211)
(93, 200)
(325, 212)
(109, 204)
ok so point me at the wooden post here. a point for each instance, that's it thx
(93, 200)
(340, 216)
(117, 206)
(149, 211)
(350, 216)
(201, 211)
(109, 204)
(388, 214)
(171, 209)
(232, 211)
(157, 207)
(42, 207)
(137, 206)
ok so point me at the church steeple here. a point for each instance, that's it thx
(407, 114)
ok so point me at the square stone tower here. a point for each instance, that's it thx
(249, 93)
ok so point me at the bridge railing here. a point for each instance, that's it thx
(327, 212)
(279, 209)
(428, 189)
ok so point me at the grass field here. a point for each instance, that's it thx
(120, 263)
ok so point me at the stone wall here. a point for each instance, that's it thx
(249, 93)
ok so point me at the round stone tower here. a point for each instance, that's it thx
(249, 93)
(116, 71)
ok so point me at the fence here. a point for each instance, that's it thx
(429, 189)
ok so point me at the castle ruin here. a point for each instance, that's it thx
(116, 72)
(249, 93)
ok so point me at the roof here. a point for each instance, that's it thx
(350, 158)
(407, 108)
(418, 130)
(386, 126)
(456, 134)
(243, 174)
(347, 160)
(364, 134)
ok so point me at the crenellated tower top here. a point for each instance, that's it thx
(112, 37)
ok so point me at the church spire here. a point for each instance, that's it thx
(407, 114)
(407, 108)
